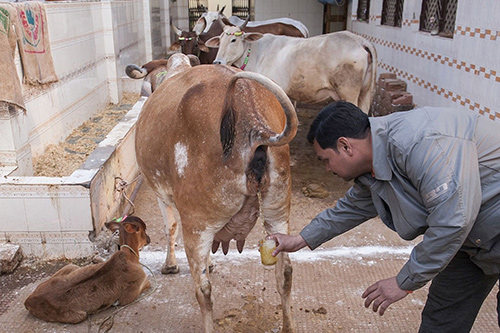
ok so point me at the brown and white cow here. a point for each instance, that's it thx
(74, 292)
(338, 66)
(212, 142)
(157, 71)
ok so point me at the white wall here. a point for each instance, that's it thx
(461, 72)
(91, 43)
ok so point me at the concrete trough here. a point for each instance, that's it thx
(58, 217)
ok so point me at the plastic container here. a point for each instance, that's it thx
(267, 247)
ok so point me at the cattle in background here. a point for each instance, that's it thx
(193, 42)
(304, 32)
(212, 142)
(338, 66)
(157, 71)
(74, 292)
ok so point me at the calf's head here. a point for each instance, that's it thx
(132, 231)
(187, 41)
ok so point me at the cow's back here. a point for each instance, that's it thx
(178, 142)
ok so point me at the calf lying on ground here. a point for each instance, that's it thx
(74, 292)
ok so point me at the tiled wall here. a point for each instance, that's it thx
(55, 217)
(461, 72)
(91, 44)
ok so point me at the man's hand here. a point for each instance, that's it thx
(287, 243)
(382, 294)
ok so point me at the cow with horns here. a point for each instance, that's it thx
(211, 25)
(337, 66)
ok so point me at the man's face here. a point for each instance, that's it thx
(340, 163)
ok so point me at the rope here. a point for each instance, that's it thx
(109, 321)
(120, 187)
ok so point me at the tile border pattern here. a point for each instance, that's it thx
(463, 101)
(443, 60)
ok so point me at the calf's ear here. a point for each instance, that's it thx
(130, 228)
(202, 46)
(175, 47)
(213, 42)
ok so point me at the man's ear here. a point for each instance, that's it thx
(344, 145)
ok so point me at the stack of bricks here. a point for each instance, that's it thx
(391, 96)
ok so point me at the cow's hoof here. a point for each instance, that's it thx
(170, 269)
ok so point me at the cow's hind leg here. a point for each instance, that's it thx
(197, 246)
(276, 221)
(167, 211)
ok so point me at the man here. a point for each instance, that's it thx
(430, 171)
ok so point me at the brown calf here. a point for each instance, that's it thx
(75, 292)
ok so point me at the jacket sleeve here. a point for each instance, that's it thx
(445, 171)
(355, 208)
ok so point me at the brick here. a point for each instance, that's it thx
(394, 84)
(385, 76)
(404, 99)
(404, 107)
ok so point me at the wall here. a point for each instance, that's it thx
(91, 43)
(461, 72)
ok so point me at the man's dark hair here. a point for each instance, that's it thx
(336, 120)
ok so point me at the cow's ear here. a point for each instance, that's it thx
(213, 42)
(202, 46)
(200, 26)
(175, 47)
(253, 36)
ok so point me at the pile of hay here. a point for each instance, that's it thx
(62, 159)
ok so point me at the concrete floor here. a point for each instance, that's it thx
(327, 282)
(327, 288)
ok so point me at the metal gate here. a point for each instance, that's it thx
(241, 8)
(196, 9)
(439, 15)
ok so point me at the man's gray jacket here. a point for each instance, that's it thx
(436, 172)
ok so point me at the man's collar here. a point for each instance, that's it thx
(381, 168)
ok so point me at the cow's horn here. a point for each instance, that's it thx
(245, 23)
(135, 72)
(291, 116)
(222, 23)
(175, 29)
(220, 11)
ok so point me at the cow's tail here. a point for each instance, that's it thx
(135, 72)
(227, 130)
(371, 75)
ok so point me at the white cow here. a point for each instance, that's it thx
(338, 66)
